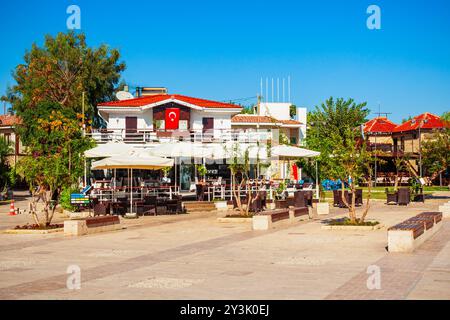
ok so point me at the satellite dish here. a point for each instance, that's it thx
(124, 95)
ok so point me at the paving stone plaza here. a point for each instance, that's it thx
(193, 256)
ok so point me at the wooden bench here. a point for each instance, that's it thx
(101, 221)
(298, 212)
(265, 219)
(411, 233)
(79, 227)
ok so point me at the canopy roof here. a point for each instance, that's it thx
(133, 162)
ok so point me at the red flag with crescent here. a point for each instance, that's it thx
(295, 171)
(172, 118)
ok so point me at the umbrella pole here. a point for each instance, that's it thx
(131, 196)
(175, 159)
(317, 181)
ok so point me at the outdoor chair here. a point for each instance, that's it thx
(200, 191)
(404, 196)
(391, 197)
(340, 202)
(299, 199)
(359, 197)
(263, 196)
(149, 205)
(255, 203)
(419, 195)
(336, 196)
(101, 208)
(161, 206)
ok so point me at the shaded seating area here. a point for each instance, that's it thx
(339, 202)
(400, 197)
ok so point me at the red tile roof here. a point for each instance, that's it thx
(290, 122)
(142, 101)
(379, 125)
(425, 121)
(251, 118)
(7, 120)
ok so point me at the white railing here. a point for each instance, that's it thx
(148, 136)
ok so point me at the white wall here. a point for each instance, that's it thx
(302, 117)
(144, 119)
(221, 121)
(278, 110)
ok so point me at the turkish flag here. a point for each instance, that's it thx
(172, 118)
(295, 171)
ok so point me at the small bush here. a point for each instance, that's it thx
(65, 198)
(348, 222)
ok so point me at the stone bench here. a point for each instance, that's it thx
(79, 227)
(411, 233)
(445, 209)
(264, 220)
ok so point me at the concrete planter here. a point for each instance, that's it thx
(78, 215)
(322, 208)
(30, 231)
(353, 228)
(221, 205)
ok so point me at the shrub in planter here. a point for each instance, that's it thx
(65, 198)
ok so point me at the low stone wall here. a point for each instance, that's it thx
(411, 233)
(81, 227)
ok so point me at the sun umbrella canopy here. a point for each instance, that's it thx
(108, 150)
(230, 150)
(293, 152)
(133, 162)
(181, 149)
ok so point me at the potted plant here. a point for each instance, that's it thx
(201, 169)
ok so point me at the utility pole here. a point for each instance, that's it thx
(422, 121)
(84, 134)
(82, 113)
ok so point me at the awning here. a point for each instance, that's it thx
(133, 162)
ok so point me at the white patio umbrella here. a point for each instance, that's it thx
(285, 151)
(293, 152)
(229, 150)
(108, 150)
(181, 149)
(133, 161)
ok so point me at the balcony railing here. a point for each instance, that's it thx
(215, 135)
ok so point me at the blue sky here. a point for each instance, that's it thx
(221, 49)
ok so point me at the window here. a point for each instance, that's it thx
(183, 124)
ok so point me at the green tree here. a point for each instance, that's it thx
(446, 116)
(292, 110)
(54, 159)
(351, 161)
(333, 118)
(335, 132)
(60, 70)
(5, 150)
(436, 152)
